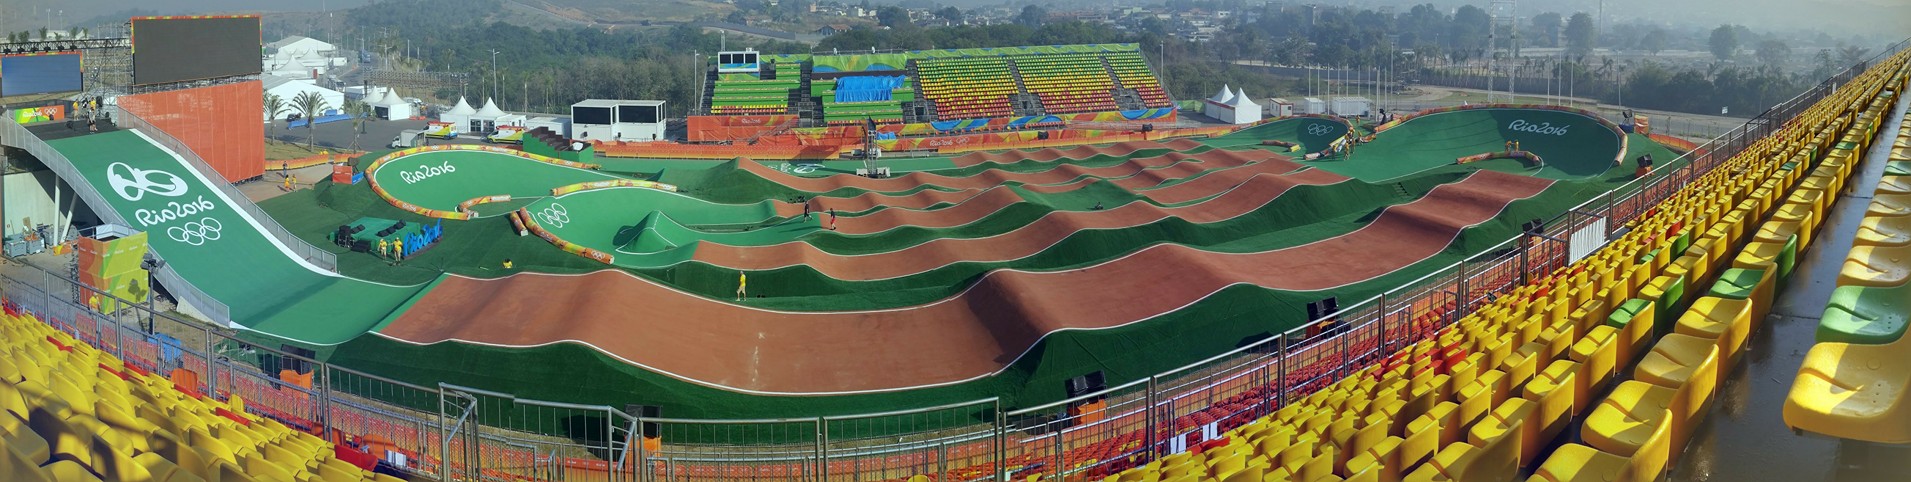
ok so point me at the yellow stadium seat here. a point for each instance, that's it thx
(1854, 392)
(1876, 266)
(1495, 461)
(69, 471)
(1726, 321)
(1622, 422)
(1514, 415)
(1690, 365)
(1580, 463)
(1884, 230)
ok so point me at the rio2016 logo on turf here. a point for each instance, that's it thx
(1520, 125)
(427, 172)
(133, 184)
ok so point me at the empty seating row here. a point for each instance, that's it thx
(75, 413)
(1133, 72)
(1852, 383)
(967, 88)
(1068, 83)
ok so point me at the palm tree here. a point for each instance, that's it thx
(274, 107)
(309, 105)
(361, 113)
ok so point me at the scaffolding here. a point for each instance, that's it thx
(1502, 48)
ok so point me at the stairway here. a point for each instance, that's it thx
(1401, 190)
(709, 93)
(1128, 99)
(928, 107)
(1110, 68)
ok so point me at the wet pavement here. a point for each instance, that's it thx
(1745, 437)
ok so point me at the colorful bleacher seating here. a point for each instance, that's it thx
(1068, 83)
(75, 413)
(967, 88)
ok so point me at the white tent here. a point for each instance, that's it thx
(391, 107)
(288, 89)
(486, 118)
(489, 112)
(459, 114)
(1224, 96)
(1238, 109)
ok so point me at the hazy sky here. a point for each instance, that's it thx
(1841, 18)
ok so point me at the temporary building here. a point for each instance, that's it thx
(486, 119)
(1238, 109)
(458, 114)
(1224, 96)
(391, 107)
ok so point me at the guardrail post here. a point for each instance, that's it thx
(1280, 374)
(1148, 418)
(1380, 328)
(942, 460)
(325, 401)
(1001, 443)
(1061, 470)
(822, 448)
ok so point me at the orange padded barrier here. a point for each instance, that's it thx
(219, 123)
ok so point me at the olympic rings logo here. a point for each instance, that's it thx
(554, 215)
(1319, 129)
(196, 232)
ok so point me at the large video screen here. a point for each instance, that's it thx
(178, 49)
(590, 115)
(40, 73)
(637, 114)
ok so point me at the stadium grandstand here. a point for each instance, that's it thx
(952, 90)
(1486, 293)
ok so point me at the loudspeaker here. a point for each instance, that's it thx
(1330, 306)
(648, 429)
(1313, 310)
(1085, 384)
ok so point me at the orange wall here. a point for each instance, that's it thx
(220, 123)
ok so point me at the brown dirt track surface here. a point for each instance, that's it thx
(1062, 172)
(1078, 152)
(1021, 242)
(1135, 174)
(993, 200)
(972, 334)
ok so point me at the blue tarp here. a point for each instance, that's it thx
(320, 120)
(867, 88)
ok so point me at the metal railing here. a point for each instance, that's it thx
(312, 254)
(458, 433)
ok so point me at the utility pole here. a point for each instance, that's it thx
(494, 73)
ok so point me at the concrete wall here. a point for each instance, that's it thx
(30, 195)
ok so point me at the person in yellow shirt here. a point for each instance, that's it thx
(742, 281)
(398, 249)
(384, 249)
(507, 263)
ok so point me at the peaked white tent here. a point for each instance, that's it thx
(391, 107)
(490, 111)
(1238, 109)
(459, 114)
(1224, 96)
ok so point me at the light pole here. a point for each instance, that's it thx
(494, 73)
